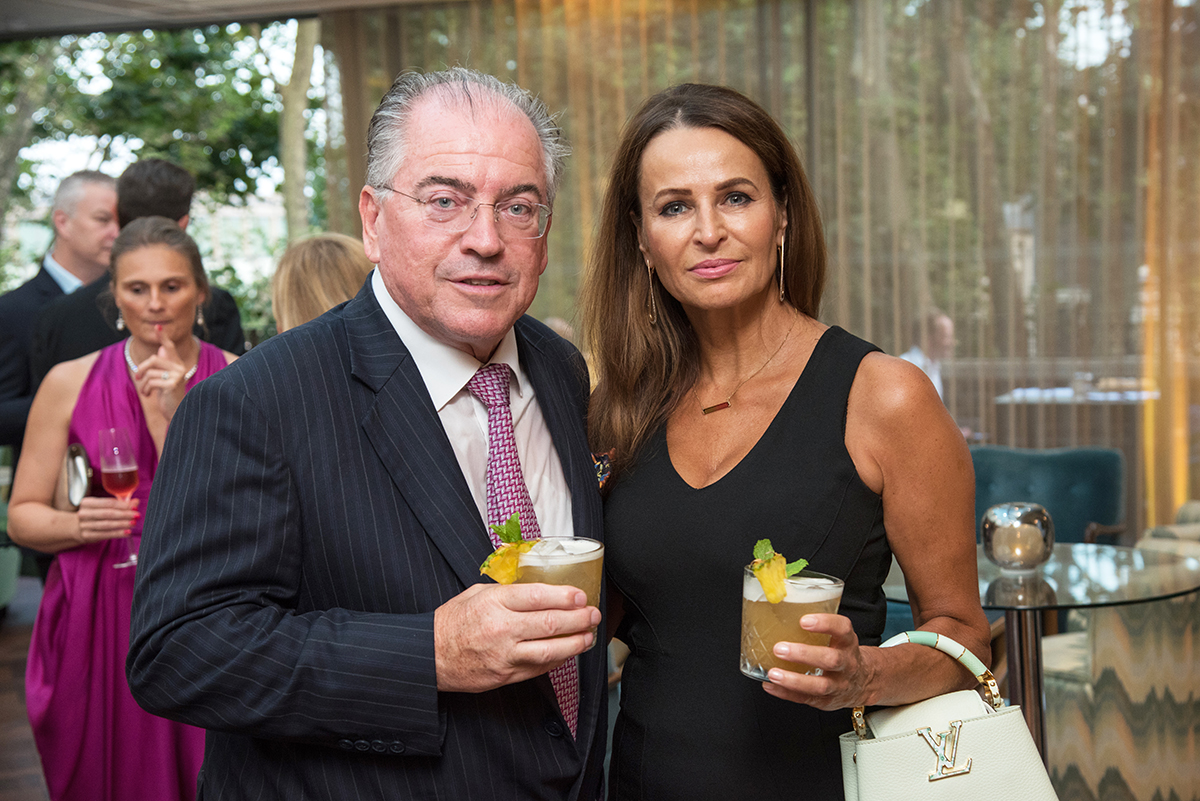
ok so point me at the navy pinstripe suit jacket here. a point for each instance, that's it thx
(307, 518)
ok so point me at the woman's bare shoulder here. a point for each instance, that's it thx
(65, 379)
(887, 388)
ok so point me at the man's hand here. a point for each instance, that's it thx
(492, 635)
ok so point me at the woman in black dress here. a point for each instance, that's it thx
(732, 414)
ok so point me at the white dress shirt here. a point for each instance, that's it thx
(67, 281)
(446, 371)
(932, 368)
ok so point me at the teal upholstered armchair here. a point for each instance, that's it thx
(1083, 489)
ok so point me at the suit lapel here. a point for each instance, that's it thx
(405, 432)
(47, 288)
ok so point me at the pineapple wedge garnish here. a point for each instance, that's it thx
(772, 570)
(501, 564)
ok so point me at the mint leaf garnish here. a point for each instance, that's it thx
(763, 550)
(510, 530)
(795, 567)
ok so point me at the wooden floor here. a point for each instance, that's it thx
(20, 770)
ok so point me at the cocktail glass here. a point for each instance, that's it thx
(119, 473)
(565, 561)
(765, 623)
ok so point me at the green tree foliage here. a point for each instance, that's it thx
(32, 90)
(253, 300)
(199, 98)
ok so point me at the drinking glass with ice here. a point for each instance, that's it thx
(770, 618)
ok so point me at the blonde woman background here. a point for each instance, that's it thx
(316, 274)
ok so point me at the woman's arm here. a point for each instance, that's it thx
(907, 449)
(32, 519)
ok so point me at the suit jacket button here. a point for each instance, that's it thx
(362, 745)
(346, 745)
(396, 747)
(553, 729)
(379, 746)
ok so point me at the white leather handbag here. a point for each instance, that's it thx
(953, 747)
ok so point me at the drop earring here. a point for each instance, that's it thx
(120, 321)
(199, 316)
(781, 271)
(651, 306)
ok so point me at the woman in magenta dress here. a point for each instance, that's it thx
(95, 742)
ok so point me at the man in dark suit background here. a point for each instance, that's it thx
(84, 214)
(308, 587)
(78, 324)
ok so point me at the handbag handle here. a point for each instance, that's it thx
(949, 647)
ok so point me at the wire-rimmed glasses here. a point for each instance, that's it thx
(516, 218)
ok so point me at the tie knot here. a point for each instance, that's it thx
(490, 384)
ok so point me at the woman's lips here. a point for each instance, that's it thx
(715, 268)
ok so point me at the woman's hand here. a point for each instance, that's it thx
(163, 375)
(106, 518)
(847, 669)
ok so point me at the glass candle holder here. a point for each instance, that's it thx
(1018, 537)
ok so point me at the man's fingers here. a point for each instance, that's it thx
(491, 635)
(543, 655)
(533, 597)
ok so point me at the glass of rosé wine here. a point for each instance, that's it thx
(119, 473)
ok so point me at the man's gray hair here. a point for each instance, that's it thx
(71, 190)
(389, 125)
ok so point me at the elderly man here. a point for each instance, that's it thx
(309, 587)
(85, 225)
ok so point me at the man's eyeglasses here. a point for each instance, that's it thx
(453, 213)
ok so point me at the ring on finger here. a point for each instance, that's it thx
(166, 375)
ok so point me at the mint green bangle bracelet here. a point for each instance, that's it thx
(942, 643)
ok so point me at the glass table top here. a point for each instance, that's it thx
(1078, 575)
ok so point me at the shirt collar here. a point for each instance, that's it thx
(67, 281)
(444, 368)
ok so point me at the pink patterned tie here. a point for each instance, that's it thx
(508, 493)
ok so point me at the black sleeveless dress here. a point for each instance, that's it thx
(691, 725)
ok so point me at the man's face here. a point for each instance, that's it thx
(464, 289)
(941, 341)
(86, 235)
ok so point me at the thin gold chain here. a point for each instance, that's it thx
(725, 404)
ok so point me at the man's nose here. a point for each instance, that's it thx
(483, 234)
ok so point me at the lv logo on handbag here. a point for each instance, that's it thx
(886, 757)
(940, 743)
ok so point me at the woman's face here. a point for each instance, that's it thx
(710, 225)
(154, 286)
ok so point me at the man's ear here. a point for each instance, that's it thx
(369, 209)
(60, 218)
(183, 221)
